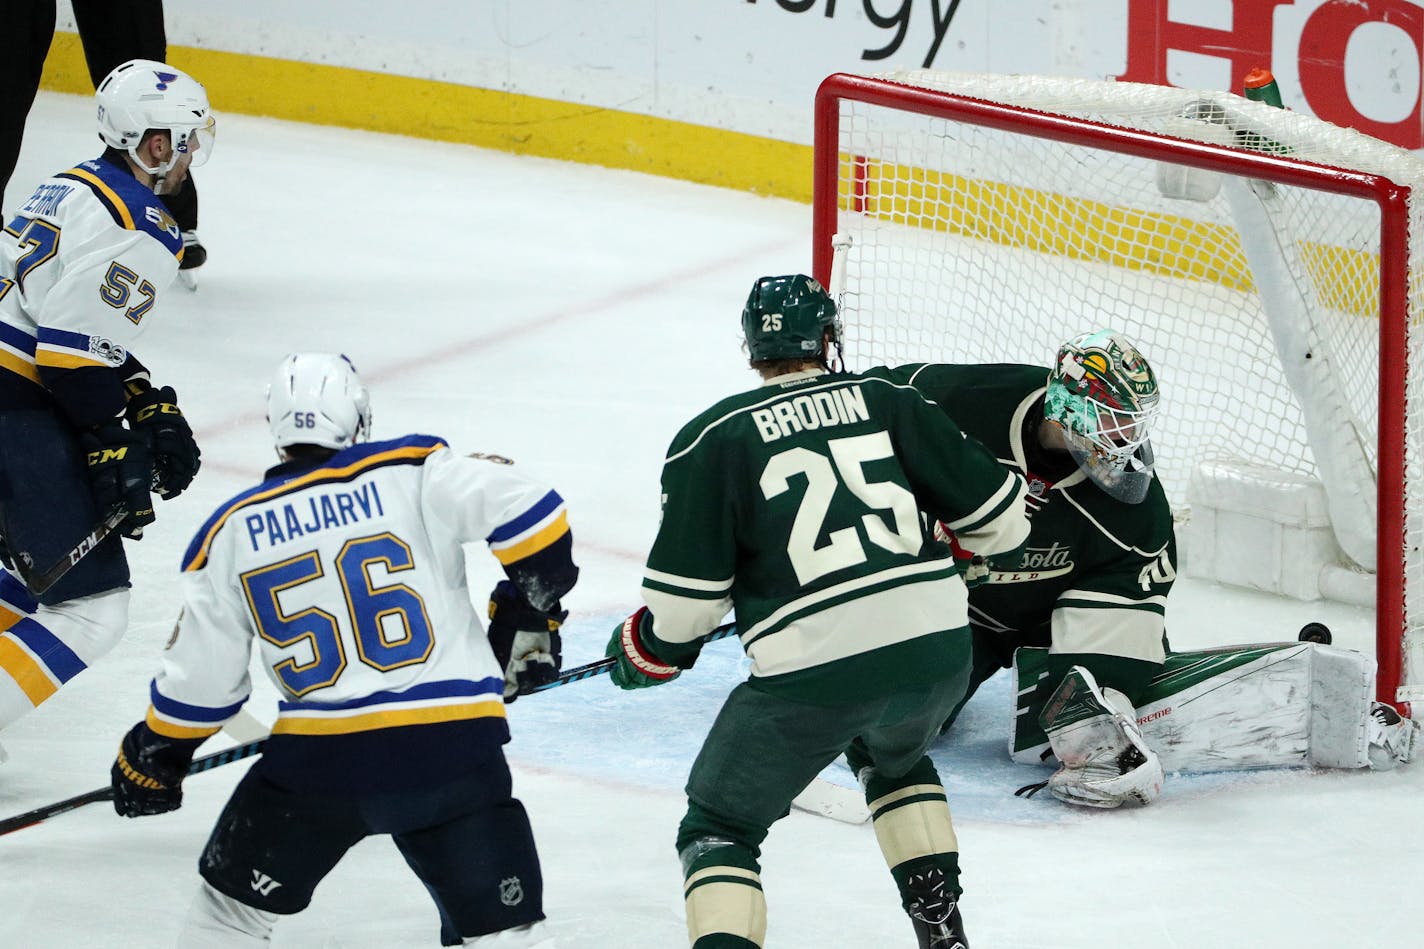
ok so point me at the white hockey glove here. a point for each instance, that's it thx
(1392, 738)
(1094, 734)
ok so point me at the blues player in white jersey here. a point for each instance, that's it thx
(346, 566)
(84, 264)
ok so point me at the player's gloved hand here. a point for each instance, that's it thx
(525, 639)
(120, 473)
(154, 414)
(637, 668)
(972, 567)
(147, 776)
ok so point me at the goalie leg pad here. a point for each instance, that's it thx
(1094, 733)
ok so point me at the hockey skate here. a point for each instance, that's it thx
(1392, 737)
(194, 256)
(934, 912)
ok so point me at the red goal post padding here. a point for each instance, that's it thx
(853, 194)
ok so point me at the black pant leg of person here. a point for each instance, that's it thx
(24, 44)
(114, 32)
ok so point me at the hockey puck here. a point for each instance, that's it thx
(1315, 633)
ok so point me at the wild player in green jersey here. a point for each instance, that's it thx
(1091, 587)
(798, 505)
(1092, 582)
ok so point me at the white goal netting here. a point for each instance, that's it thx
(988, 218)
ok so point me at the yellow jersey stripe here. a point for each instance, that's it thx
(20, 367)
(29, 675)
(167, 729)
(116, 203)
(66, 359)
(392, 718)
(534, 543)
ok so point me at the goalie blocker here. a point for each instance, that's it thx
(1258, 706)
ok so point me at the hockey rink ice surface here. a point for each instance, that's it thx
(572, 318)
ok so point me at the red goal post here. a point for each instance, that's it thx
(1263, 259)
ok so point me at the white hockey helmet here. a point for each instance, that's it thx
(143, 94)
(318, 399)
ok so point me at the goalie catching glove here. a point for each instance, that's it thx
(1096, 738)
(147, 776)
(525, 639)
(636, 667)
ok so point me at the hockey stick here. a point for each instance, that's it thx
(606, 664)
(38, 581)
(206, 763)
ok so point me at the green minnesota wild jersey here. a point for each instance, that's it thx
(1094, 575)
(799, 505)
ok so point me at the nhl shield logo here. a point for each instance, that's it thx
(511, 891)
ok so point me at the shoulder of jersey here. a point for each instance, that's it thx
(344, 466)
(131, 205)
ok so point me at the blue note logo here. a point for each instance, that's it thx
(164, 78)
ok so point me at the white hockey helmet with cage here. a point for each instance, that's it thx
(1104, 396)
(143, 94)
(318, 399)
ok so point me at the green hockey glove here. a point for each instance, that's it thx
(972, 567)
(637, 668)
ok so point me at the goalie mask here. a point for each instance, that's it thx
(143, 94)
(317, 399)
(787, 318)
(1104, 396)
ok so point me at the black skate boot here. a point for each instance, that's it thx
(194, 253)
(934, 912)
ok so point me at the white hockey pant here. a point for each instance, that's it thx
(42, 651)
(532, 936)
(217, 921)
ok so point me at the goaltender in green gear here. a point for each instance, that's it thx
(799, 505)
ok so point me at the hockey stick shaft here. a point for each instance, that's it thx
(606, 664)
(206, 763)
(38, 581)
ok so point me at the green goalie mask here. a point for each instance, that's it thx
(1104, 395)
(787, 318)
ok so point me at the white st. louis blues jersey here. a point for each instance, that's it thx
(350, 576)
(82, 263)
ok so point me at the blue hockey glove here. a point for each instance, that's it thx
(637, 668)
(154, 415)
(525, 639)
(120, 472)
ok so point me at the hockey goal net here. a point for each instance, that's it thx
(1265, 261)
